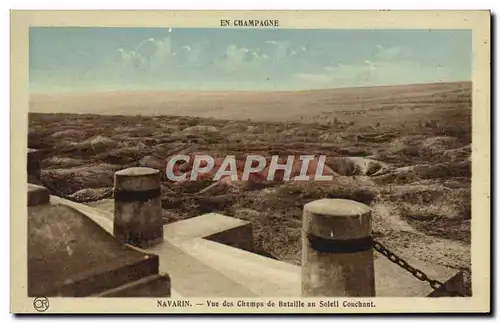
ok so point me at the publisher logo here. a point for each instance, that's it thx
(41, 304)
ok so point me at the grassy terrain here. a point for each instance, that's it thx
(419, 134)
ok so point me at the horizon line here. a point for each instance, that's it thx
(243, 90)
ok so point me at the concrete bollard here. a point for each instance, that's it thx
(337, 254)
(33, 167)
(137, 219)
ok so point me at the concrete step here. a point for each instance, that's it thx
(262, 276)
(213, 226)
(192, 277)
(202, 226)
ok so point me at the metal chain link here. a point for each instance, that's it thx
(435, 284)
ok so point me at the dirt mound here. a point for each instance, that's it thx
(331, 137)
(92, 194)
(200, 129)
(352, 166)
(386, 218)
(61, 162)
(296, 194)
(66, 181)
(443, 170)
(375, 137)
(409, 174)
(167, 149)
(449, 218)
(98, 141)
(458, 154)
(428, 194)
(419, 149)
(153, 162)
(68, 133)
(125, 140)
(438, 144)
(85, 149)
(431, 209)
(125, 155)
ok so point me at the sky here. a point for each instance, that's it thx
(88, 59)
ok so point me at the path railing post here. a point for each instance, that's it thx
(337, 254)
(138, 216)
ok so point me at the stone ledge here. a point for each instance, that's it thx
(37, 195)
(71, 255)
(215, 227)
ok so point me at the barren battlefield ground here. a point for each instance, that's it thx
(403, 150)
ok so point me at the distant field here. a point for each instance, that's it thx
(378, 103)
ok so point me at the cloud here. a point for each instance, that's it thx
(387, 54)
(385, 67)
(131, 59)
(372, 73)
(241, 60)
(233, 60)
(257, 56)
(236, 54)
(144, 43)
(163, 47)
(148, 53)
(153, 56)
(315, 78)
(282, 50)
(162, 54)
(281, 60)
(191, 55)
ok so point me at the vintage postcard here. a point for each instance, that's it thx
(250, 162)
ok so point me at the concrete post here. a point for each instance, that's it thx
(33, 167)
(337, 254)
(137, 219)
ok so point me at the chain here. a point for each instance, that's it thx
(435, 284)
